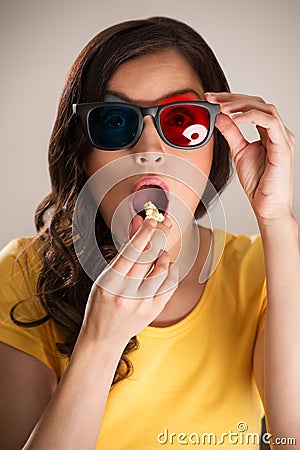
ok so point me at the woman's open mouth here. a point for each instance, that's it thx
(149, 189)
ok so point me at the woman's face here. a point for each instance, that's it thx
(146, 81)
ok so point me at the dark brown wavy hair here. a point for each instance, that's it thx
(63, 286)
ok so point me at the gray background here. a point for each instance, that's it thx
(256, 42)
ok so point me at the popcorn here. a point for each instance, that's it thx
(152, 212)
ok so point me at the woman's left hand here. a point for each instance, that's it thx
(264, 167)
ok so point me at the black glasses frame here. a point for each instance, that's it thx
(83, 110)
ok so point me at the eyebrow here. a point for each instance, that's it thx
(164, 97)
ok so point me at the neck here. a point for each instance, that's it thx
(195, 239)
(184, 247)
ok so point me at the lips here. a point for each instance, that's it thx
(152, 189)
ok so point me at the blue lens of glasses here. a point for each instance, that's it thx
(112, 126)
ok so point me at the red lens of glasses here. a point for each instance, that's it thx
(185, 125)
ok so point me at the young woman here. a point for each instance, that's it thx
(122, 333)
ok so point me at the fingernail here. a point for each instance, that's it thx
(151, 222)
(167, 222)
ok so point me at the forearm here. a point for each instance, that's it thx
(73, 417)
(282, 329)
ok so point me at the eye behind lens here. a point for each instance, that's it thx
(113, 127)
(185, 125)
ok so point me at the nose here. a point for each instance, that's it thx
(149, 148)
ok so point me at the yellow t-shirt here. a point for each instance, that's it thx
(193, 382)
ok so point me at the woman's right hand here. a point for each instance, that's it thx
(126, 298)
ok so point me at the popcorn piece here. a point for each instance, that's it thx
(152, 212)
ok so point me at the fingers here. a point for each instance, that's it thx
(136, 285)
(272, 124)
(157, 276)
(232, 134)
(136, 223)
(144, 277)
(154, 248)
(132, 250)
(245, 104)
(223, 97)
(249, 109)
(170, 284)
(163, 280)
(137, 256)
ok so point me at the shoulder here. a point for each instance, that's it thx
(244, 251)
(242, 263)
(243, 268)
(23, 251)
(21, 262)
(13, 247)
(20, 265)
